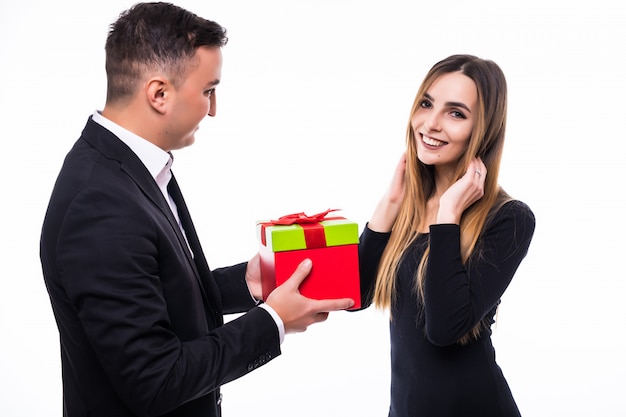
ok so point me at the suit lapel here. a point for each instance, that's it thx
(210, 287)
(112, 147)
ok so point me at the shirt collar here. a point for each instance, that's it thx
(155, 159)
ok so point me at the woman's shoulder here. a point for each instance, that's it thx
(517, 208)
(513, 212)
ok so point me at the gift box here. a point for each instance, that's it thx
(330, 242)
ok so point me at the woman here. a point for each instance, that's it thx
(443, 245)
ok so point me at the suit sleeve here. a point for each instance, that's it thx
(110, 262)
(236, 296)
(458, 296)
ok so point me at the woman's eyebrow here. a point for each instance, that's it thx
(450, 103)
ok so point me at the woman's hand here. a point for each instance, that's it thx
(463, 193)
(389, 206)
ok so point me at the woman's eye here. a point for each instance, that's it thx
(210, 92)
(457, 114)
(425, 104)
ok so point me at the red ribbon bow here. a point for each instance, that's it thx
(313, 231)
(300, 218)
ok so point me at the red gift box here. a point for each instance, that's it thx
(330, 242)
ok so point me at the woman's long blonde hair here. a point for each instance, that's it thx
(486, 142)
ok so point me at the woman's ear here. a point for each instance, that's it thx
(157, 93)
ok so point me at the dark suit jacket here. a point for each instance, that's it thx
(140, 318)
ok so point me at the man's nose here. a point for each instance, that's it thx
(212, 105)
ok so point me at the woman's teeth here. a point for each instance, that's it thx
(432, 142)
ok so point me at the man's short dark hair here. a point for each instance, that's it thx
(155, 37)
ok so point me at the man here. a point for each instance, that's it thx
(139, 312)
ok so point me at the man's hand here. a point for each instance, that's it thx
(297, 311)
(253, 277)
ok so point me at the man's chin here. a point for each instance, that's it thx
(188, 141)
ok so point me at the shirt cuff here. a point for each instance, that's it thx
(277, 319)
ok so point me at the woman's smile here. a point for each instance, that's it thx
(432, 143)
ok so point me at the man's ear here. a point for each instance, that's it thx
(157, 91)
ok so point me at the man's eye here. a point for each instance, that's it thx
(210, 92)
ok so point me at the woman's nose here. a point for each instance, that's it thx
(433, 122)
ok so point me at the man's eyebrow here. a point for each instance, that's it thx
(450, 103)
(213, 83)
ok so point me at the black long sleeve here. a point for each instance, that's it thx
(457, 297)
(431, 373)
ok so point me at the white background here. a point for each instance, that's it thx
(312, 112)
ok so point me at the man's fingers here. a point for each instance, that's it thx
(334, 304)
(301, 272)
(322, 316)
